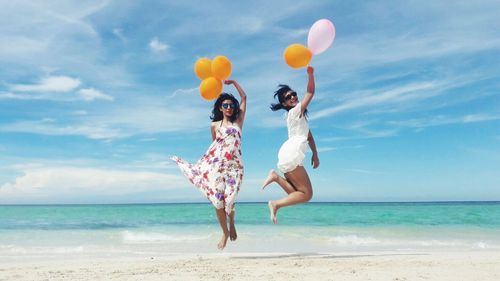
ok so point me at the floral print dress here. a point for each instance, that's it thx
(219, 173)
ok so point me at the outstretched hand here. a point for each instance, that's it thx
(229, 82)
(310, 70)
(315, 161)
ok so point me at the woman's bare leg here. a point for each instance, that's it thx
(272, 211)
(299, 179)
(221, 216)
(232, 229)
(274, 177)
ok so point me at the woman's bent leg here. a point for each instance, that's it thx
(299, 179)
(274, 177)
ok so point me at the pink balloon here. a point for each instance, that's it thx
(320, 36)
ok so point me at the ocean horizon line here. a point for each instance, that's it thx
(259, 202)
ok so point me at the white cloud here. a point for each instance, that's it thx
(371, 134)
(47, 89)
(297, 34)
(363, 133)
(119, 33)
(42, 127)
(158, 118)
(479, 118)
(363, 171)
(49, 84)
(440, 120)
(91, 94)
(30, 29)
(79, 112)
(366, 51)
(145, 117)
(325, 149)
(250, 24)
(265, 17)
(52, 182)
(61, 36)
(157, 46)
(395, 95)
(148, 139)
(19, 46)
(6, 95)
(190, 91)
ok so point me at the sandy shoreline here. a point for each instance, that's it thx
(370, 266)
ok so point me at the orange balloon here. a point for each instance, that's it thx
(297, 56)
(203, 68)
(221, 67)
(210, 88)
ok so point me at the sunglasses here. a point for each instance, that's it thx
(228, 105)
(289, 97)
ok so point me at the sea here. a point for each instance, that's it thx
(152, 230)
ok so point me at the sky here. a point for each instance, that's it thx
(96, 95)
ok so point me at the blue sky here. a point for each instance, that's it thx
(95, 95)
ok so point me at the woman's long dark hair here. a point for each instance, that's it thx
(280, 94)
(217, 114)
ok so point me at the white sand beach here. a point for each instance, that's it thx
(476, 265)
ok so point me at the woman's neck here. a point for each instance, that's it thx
(225, 120)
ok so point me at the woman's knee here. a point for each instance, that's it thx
(308, 196)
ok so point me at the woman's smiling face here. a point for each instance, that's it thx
(227, 108)
(290, 99)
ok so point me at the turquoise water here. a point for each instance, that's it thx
(39, 231)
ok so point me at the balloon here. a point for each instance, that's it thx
(297, 56)
(320, 36)
(221, 67)
(203, 68)
(210, 88)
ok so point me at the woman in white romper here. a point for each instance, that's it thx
(295, 182)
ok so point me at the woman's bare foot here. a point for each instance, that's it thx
(223, 241)
(232, 232)
(272, 210)
(272, 176)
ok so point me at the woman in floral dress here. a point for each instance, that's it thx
(219, 173)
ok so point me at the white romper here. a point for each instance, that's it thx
(292, 152)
